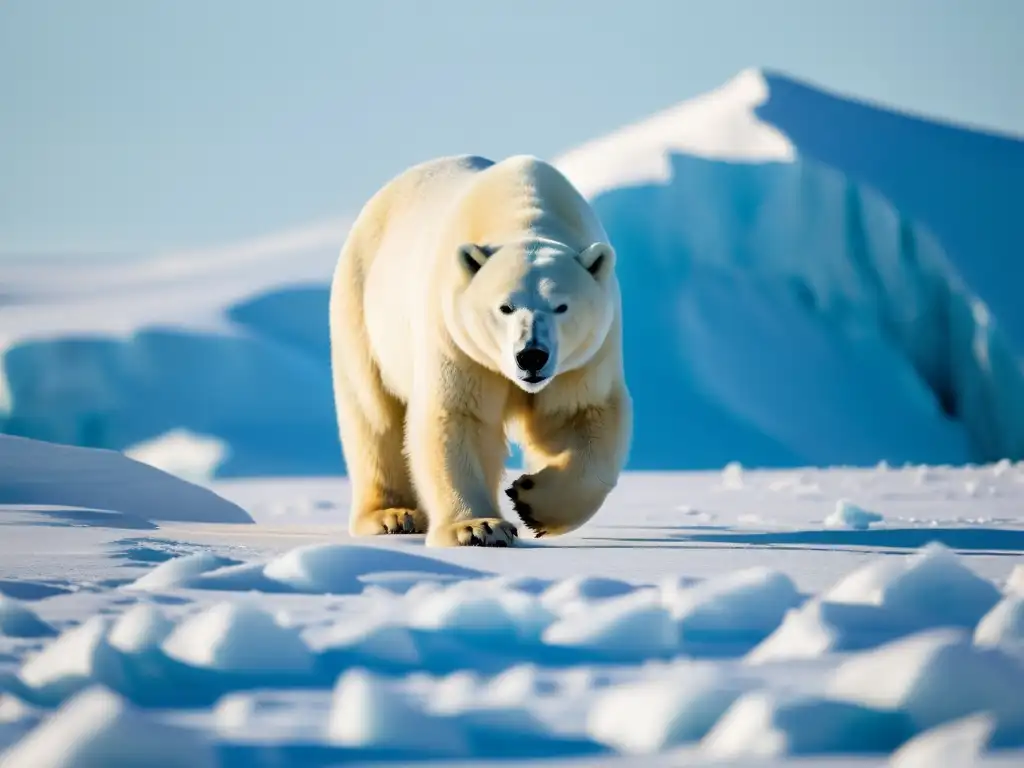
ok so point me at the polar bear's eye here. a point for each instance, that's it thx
(506, 309)
(561, 308)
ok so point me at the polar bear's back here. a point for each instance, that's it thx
(399, 227)
(382, 280)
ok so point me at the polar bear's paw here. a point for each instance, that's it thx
(551, 504)
(392, 520)
(524, 502)
(479, 532)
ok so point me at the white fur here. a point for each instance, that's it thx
(451, 271)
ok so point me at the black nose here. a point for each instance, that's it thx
(532, 358)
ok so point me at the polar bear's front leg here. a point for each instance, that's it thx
(457, 461)
(575, 458)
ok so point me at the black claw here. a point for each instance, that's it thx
(486, 526)
(515, 531)
(539, 533)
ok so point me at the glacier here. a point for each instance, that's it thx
(807, 280)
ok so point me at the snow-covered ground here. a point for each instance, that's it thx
(807, 281)
(734, 617)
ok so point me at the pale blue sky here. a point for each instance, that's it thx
(150, 124)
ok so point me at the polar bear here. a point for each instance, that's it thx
(474, 301)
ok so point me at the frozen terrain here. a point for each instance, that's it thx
(857, 617)
(807, 281)
(860, 265)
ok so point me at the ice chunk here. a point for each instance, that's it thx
(1015, 584)
(761, 724)
(732, 476)
(238, 637)
(140, 629)
(819, 627)
(73, 661)
(367, 712)
(934, 676)
(1003, 625)
(336, 568)
(18, 620)
(478, 609)
(99, 729)
(849, 515)
(634, 625)
(180, 571)
(752, 601)
(957, 744)
(931, 586)
(652, 715)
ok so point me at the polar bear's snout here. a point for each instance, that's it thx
(534, 349)
(532, 359)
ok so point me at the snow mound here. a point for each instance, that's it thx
(99, 729)
(35, 472)
(476, 609)
(631, 626)
(239, 638)
(580, 589)
(338, 568)
(377, 640)
(367, 712)
(182, 453)
(13, 709)
(934, 676)
(650, 716)
(73, 661)
(18, 620)
(849, 515)
(141, 629)
(745, 604)
(932, 586)
(180, 571)
(957, 744)
(1003, 625)
(761, 724)
(819, 627)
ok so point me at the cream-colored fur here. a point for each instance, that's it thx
(449, 273)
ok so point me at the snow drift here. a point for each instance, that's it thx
(73, 484)
(806, 280)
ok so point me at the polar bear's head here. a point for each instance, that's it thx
(533, 310)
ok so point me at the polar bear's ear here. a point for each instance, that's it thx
(473, 257)
(597, 258)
